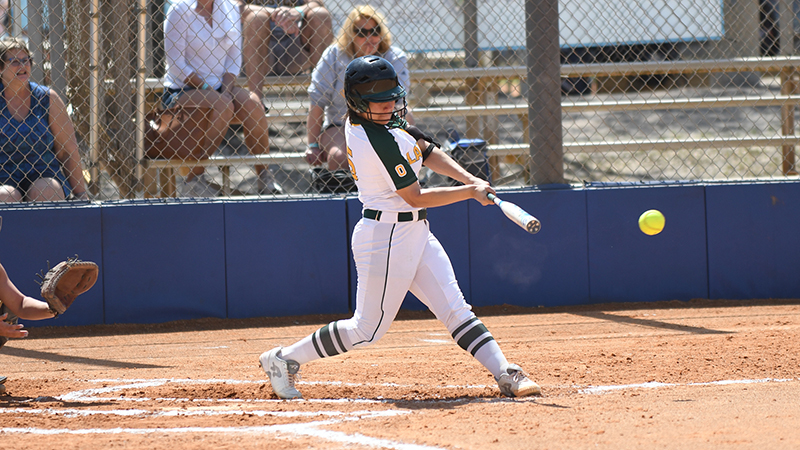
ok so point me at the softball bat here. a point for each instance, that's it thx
(517, 215)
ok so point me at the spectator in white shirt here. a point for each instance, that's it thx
(203, 42)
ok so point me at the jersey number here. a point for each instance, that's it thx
(400, 170)
(350, 164)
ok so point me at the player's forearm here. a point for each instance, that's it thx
(441, 196)
(437, 196)
(33, 309)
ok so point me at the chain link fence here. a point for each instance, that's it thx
(621, 91)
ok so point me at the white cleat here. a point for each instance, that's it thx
(282, 373)
(515, 383)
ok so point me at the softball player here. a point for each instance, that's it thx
(393, 247)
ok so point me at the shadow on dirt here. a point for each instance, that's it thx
(649, 323)
(55, 357)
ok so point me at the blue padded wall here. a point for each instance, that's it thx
(511, 266)
(753, 240)
(286, 257)
(450, 226)
(626, 265)
(166, 260)
(33, 235)
(163, 261)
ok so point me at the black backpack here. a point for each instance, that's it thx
(325, 181)
(471, 155)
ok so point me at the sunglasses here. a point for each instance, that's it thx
(367, 32)
(17, 62)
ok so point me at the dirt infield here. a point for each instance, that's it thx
(700, 374)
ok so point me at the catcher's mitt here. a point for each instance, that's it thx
(67, 280)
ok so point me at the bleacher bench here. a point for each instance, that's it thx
(483, 80)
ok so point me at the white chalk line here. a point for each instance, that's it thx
(141, 413)
(308, 429)
(655, 384)
(293, 430)
(311, 429)
(71, 412)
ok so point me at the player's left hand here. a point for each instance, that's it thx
(481, 193)
(66, 281)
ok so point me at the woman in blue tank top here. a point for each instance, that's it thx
(39, 159)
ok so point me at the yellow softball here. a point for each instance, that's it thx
(651, 222)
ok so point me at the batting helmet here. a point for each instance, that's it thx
(371, 79)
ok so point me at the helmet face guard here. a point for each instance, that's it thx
(372, 79)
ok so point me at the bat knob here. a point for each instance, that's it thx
(533, 226)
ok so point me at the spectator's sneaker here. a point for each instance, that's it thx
(515, 383)
(267, 184)
(199, 186)
(282, 373)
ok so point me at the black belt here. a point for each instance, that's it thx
(391, 217)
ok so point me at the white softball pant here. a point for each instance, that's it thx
(392, 259)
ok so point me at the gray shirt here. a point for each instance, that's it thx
(327, 81)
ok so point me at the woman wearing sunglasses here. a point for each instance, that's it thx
(39, 159)
(363, 33)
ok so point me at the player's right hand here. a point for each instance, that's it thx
(478, 181)
(11, 331)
